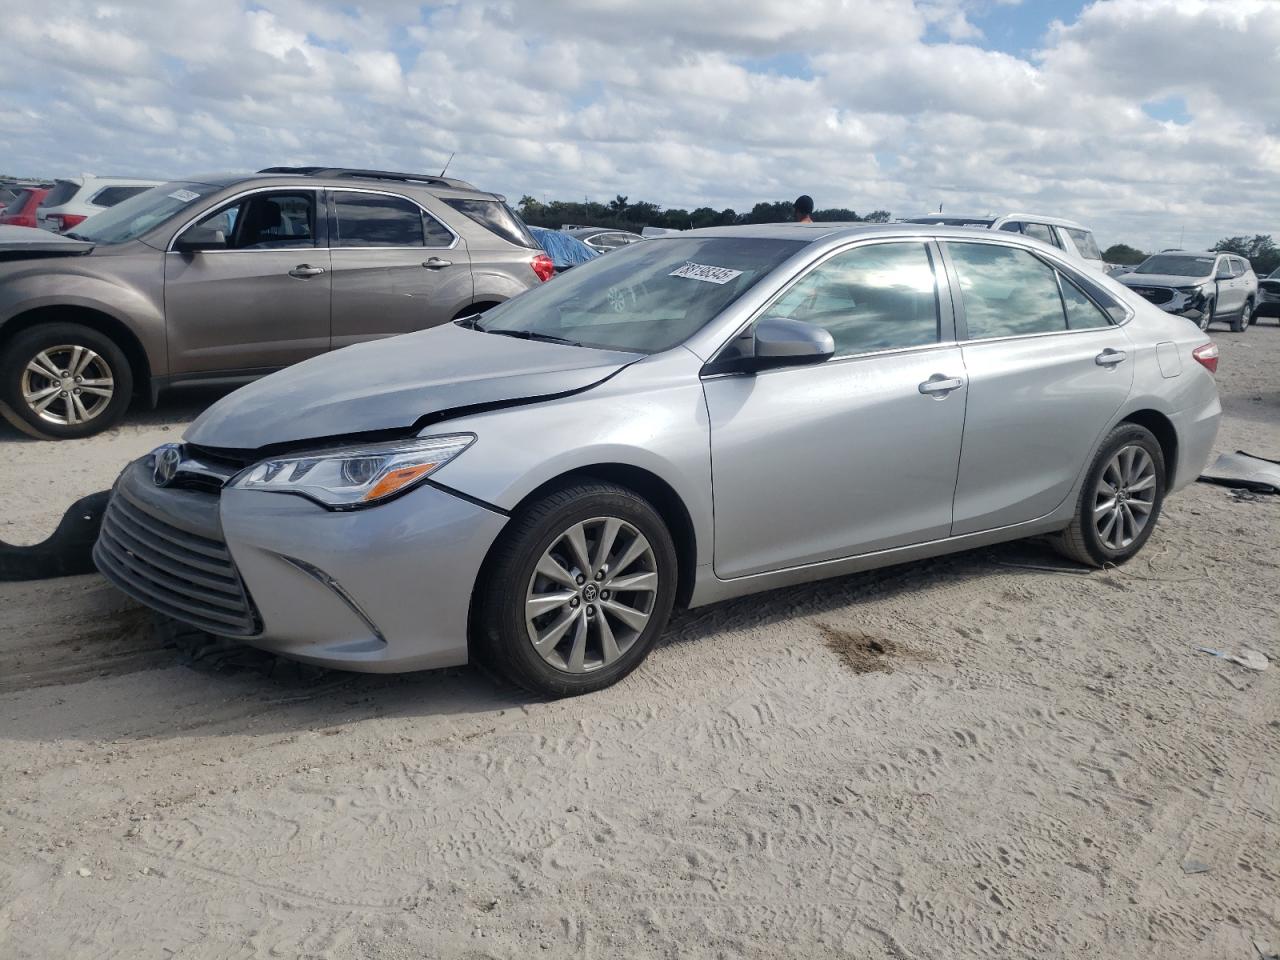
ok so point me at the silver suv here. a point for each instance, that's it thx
(1202, 286)
(227, 278)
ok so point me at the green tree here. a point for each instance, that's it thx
(618, 206)
(1260, 250)
(1124, 254)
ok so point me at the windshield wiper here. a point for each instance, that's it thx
(471, 323)
(535, 335)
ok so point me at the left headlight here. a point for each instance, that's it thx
(347, 478)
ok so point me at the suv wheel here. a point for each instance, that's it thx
(577, 591)
(1206, 317)
(1241, 323)
(1120, 501)
(61, 381)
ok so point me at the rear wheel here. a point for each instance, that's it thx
(577, 592)
(1120, 500)
(1241, 323)
(61, 381)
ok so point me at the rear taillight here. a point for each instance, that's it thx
(543, 267)
(65, 221)
(1207, 356)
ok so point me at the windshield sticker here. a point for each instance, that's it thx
(707, 274)
(185, 196)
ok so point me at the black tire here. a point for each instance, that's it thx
(1206, 318)
(1082, 541)
(1241, 323)
(27, 346)
(501, 640)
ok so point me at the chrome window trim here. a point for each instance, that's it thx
(843, 358)
(398, 196)
(235, 198)
(938, 277)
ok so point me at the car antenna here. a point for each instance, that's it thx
(447, 162)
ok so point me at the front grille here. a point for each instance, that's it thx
(1155, 294)
(187, 576)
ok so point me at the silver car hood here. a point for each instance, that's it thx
(1160, 280)
(32, 241)
(393, 384)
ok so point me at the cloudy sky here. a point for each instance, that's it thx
(1143, 118)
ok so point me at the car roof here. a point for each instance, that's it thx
(953, 218)
(344, 177)
(814, 232)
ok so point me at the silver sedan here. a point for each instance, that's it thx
(689, 419)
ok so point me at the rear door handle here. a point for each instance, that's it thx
(304, 270)
(939, 385)
(1109, 357)
(435, 263)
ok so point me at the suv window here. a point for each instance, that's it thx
(1084, 242)
(1006, 292)
(377, 220)
(263, 221)
(61, 193)
(1241, 268)
(496, 217)
(1041, 232)
(110, 196)
(879, 297)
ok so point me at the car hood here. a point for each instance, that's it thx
(1160, 280)
(394, 383)
(20, 242)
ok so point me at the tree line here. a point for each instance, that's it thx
(621, 213)
(1260, 250)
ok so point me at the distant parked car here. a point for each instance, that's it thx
(602, 239)
(1202, 286)
(1074, 239)
(564, 250)
(21, 210)
(1268, 296)
(148, 294)
(75, 199)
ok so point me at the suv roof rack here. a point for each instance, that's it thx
(354, 172)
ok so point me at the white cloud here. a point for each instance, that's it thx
(901, 104)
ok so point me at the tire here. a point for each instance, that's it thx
(1241, 323)
(1094, 543)
(30, 366)
(1206, 318)
(575, 658)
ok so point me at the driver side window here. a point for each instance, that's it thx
(879, 297)
(263, 221)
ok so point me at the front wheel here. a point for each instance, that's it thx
(62, 381)
(1241, 323)
(577, 591)
(1120, 500)
(1206, 317)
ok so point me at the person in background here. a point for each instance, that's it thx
(804, 209)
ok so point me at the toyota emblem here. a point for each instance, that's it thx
(165, 469)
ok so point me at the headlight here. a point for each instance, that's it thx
(352, 477)
(1189, 290)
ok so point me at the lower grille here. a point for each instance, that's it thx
(1155, 294)
(181, 574)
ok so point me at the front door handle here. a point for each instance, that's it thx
(939, 385)
(1109, 357)
(435, 263)
(304, 270)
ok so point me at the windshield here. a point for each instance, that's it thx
(644, 298)
(130, 219)
(1176, 265)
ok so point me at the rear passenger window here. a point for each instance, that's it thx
(1082, 313)
(1084, 242)
(1006, 291)
(879, 297)
(376, 220)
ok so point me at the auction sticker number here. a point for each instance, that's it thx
(705, 272)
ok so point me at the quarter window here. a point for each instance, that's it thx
(1006, 291)
(1082, 313)
(1084, 243)
(1041, 232)
(375, 220)
(879, 297)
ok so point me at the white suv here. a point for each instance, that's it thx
(1074, 239)
(77, 198)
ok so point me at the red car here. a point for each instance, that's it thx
(21, 211)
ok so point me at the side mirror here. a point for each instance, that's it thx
(201, 237)
(783, 342)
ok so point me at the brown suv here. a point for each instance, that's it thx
(226, 278)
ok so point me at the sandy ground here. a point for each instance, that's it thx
(988, 755)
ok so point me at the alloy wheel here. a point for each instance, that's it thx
(1124, 497)
(591, 594)
(67, 384)
(1206, 318)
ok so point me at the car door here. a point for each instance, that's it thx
(246, 286)
(396, 268)
(1047, 367)
(855, 454)
(1225, 273)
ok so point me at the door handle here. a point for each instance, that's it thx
(939, 385)
(304, 270)
(435, 263)
(1109, 357)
